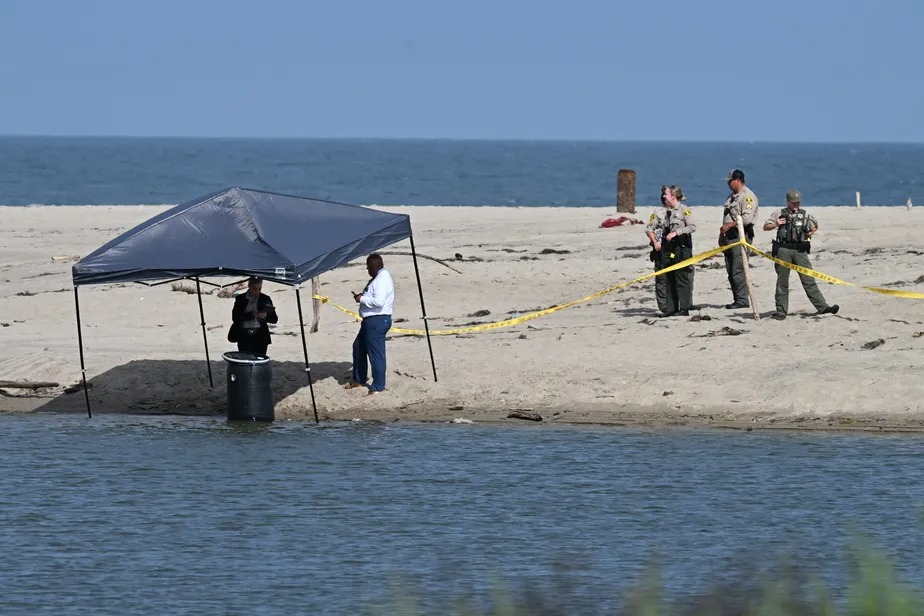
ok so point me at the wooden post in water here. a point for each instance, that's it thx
(625, 191)
(747, 267)
(858, 199)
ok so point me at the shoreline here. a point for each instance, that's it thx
(607, 361)
(616, 420)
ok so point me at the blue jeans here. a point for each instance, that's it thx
(370, 342)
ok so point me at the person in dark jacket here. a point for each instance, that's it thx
(677, 246)
(250, 315)
(655, 232)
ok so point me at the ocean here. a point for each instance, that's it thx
(129, 171)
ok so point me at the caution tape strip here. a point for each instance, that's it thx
(686, 263)
(825, 277)
(547, 311)
(800, 269)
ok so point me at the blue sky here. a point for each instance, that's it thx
(711, 70)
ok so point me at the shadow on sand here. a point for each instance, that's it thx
(181, 387)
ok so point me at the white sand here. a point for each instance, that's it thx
(607, 361)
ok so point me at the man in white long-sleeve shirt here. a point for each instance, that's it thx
(375, 307)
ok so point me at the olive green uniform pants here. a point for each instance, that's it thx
(734, 267)
(660, 281)
(790, 255)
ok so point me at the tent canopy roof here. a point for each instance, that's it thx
(243, 232)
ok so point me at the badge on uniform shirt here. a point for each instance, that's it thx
(749, 201)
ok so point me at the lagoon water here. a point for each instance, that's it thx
(137, 515)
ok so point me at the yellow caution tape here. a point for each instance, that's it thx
(814, 274)
(540, 313)
(896, 292)
(686, 263)
(800, 269)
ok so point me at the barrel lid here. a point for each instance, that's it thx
(238, 357)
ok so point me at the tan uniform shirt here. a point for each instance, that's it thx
(657, 223)
(744, 203)
(680, 221)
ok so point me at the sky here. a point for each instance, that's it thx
(660, 70)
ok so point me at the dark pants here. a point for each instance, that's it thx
(660, 282)
(679, 282)
(734, 266)
(252, 342)
(370, 342)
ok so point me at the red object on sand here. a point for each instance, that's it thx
(618, 222)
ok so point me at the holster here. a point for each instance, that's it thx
(732, 234)
(775, 249)
(679, 252)
(681, 241)
(805, 247)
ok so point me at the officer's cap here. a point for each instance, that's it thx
(735, 174)
(794, 196)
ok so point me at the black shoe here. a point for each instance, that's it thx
(830, 309)
(665, 315)
(779, 316)
(682, 313)
(737, 305)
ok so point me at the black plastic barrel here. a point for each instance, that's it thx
(250, 396)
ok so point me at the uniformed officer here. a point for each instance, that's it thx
(742, 201)
(655, 232)
(794, 230)
(677, 247)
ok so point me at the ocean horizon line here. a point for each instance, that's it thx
(354, 139)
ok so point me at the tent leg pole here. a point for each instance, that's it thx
(208, 361)
(83, 368)
(301, 327)
(423, 309)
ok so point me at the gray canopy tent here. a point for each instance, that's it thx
(244, 232)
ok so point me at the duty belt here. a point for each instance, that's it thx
(800, 246)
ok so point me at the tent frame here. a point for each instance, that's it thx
(301, 325)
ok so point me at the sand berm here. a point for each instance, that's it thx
(609, 361)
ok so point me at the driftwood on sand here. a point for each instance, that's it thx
(407, 254)
(527, 414)
(33, 385)
(186, 286)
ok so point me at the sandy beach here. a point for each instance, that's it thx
(609, 361)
